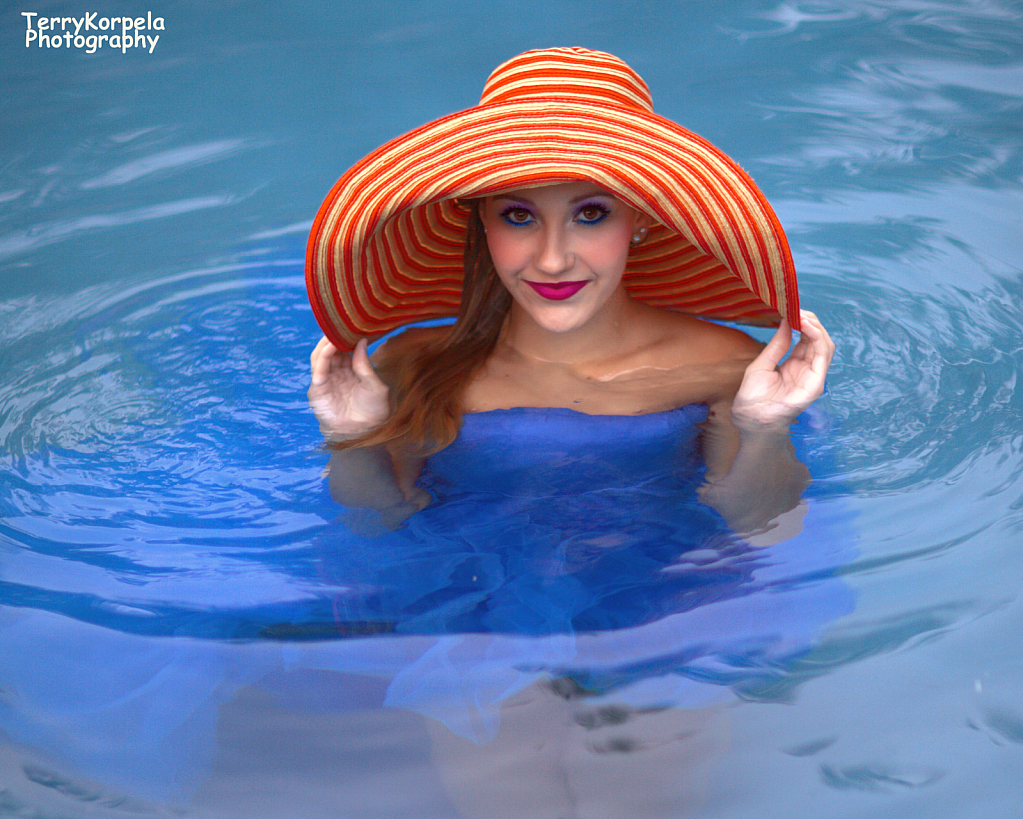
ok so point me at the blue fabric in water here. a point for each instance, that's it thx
(548, 521)
(559, 545)
(551, 521)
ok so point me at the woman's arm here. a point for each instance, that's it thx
(754, 480)
(372, 478)
(350, 400)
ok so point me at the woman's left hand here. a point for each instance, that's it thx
(778, 393)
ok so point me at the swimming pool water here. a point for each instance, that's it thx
(168, 641)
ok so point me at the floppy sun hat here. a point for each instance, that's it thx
(386, 246)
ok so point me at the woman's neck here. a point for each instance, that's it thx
(604, 336)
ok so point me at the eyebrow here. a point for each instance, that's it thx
(575, 200)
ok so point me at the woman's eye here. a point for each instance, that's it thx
(517, 216)
(591, 214)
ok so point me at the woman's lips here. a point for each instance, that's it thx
(557, 291)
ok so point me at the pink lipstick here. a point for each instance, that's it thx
(557, 291)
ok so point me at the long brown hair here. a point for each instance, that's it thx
(427, 387)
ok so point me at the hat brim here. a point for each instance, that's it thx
(386, 246)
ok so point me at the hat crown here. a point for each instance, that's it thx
(572, 73)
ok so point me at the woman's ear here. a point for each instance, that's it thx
(641, 222)
(640, 225)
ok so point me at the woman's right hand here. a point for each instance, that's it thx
(346, 395)
(773, 392)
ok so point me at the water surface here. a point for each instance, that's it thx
(160, 479)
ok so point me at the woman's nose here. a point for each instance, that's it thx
(554, 257)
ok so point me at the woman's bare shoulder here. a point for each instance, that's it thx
(691, 340)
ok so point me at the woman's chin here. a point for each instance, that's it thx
(566, 322)
(560, 317)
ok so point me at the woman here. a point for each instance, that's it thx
(593, 234)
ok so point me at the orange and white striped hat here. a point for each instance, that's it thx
(386, 246)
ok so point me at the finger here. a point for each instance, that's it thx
(821, 331)
(323, 347)
(317, 350)
(809, 315)
(775, 349)
(813, 326)
(363, 368)
(322, 360)
(808, 365)
(819, 348)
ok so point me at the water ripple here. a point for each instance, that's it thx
(46, 233)
(879, 777)
(175, 158)
(161, 431)
(989, 28)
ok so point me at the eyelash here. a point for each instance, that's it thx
(602, 209)
(506, 214)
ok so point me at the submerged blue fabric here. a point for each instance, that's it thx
(559, 545)
(551, 521)
(545, 521)
(534, 452)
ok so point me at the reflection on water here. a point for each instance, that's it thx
(170, 641)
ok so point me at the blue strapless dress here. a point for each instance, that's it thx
(551, 521)
(546, 521)
(568, 545)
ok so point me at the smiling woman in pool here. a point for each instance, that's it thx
(583, 216)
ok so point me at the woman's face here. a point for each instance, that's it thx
(560, 250)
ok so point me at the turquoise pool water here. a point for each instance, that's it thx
(170, 639)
